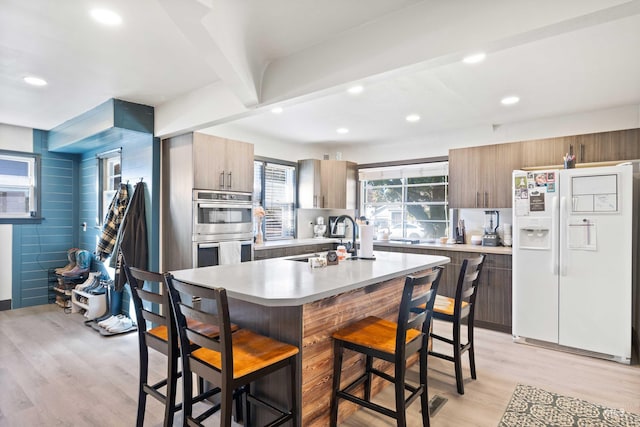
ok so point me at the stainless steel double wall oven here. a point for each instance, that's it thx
(221, 216)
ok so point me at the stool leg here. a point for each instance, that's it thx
(172, 383)
(187, 392)
(401, 413)
(472, 354)
(142, 396)
(337, 370)
(246, 415)
(226, 404)
(367, 383)
(457, 356)
(424, 399)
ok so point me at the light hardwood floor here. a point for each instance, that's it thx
(56, 371)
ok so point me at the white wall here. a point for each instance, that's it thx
(433, 145)
(438, 144)
(17, 139)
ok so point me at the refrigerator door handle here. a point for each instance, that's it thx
(554, 236)
(563, 236)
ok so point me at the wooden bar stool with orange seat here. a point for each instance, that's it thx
(157, 331)
(392, 342)
(455, 310)
(233, 361)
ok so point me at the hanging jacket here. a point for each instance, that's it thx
(112, 221)
(133, 246)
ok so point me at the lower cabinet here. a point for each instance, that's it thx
(493, 302)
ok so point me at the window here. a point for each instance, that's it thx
(409, 201)
(274, 187)
(19, 175)
(109, 178)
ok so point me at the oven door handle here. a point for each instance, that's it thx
(208, 245)
(217, 244)
(222, 205)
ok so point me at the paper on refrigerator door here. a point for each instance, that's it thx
(582, 235)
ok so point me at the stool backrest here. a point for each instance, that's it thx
(416, 308)
(152, 307)
(212, 309)
(467, 287)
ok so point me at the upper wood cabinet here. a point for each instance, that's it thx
(588, 148)
(195, 160)
(480, 177)
(326, 184)
(222, 164)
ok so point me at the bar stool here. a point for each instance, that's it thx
(455, 310)
(392, 342)
(157, 331)
(232, 362)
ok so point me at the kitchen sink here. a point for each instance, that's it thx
(303, 258)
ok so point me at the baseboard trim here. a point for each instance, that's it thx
(5, 305)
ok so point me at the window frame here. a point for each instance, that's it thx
(102, 178)
(261, 201)
(404, 173)
(35, 177)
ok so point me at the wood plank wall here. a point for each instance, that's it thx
(320, 319)
(38, 247)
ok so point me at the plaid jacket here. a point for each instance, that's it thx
(112, 221)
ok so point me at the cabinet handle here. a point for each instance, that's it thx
(315, 201)
(581, 153)
(477, 199)
(485, 199)
(323, 201)
(221, 179)
(229, 185)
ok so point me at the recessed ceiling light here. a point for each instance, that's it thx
(474, 58)
(276, 110)
(412, 118)
(106, 17)
(354, 90)
(342, 130)
(510, 100)
(35, 81)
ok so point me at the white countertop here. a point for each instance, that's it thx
(283, 282)
(500, 250)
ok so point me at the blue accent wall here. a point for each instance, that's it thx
(38, 247)
(69, 197)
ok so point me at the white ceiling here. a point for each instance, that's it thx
(558, 57)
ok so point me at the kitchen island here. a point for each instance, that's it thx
(290, 301)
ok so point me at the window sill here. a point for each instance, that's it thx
(30, 220)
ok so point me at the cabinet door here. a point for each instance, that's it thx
(507, 158)
(543, 152)
(493, 301)
(239, 166)
(309, 184)
(463, 178)
(209, 161)
(608, 146)
(333, 178)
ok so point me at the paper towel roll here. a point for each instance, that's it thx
(366, 241)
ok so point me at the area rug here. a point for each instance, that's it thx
(533, 407)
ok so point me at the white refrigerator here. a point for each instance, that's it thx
(573, 258)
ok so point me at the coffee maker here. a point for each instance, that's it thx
(491, 223)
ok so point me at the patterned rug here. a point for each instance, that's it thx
(533, 407)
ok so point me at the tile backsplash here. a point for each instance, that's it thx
(474, 221)
(307, 219)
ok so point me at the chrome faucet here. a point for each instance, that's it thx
(354, 247)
